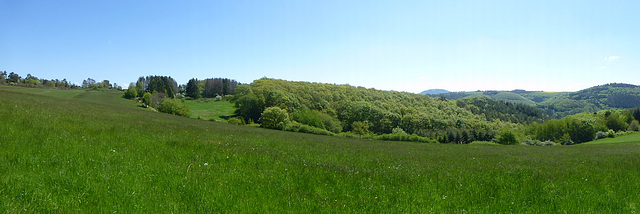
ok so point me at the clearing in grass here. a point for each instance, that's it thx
(211, 109)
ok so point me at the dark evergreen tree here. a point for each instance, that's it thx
(193, 89)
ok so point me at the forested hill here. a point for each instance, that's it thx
(561, 104)
(604, 97)
(338, 107)
(515, 96)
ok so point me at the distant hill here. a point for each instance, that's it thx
(613, 95)
(434, 91)
(515, 96)
(560, 104)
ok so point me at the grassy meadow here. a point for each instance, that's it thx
(210, 109)
(91, 151)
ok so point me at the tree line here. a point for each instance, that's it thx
(210, 88)
(32, 81)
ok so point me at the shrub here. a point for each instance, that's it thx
(275, 118)
(174, 106)
(146, 99)
(298, 127)
(506, 137)
(531, 142)
(130, 93)
(601, 134)
(483, 143)
(611, 134)
(634, 126)
(235, 120)
(398, 130)
(308, 117)
(156, 99)
(405, 137)
(360, 128)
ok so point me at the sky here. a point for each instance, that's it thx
(389, 45)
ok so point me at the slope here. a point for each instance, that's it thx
(69, 155)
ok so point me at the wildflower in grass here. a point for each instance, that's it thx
(206, 164)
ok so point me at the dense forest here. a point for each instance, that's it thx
(337, 108)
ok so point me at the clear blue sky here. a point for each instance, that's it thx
(391, 45)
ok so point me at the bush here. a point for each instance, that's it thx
(404, 137)
(360, 128)
(174, 106)
(634, 126)
(483, 143)
(601, 135)
(611, 134)
(156, 99)
(531, 142)
(298, 127)
(275, 118)
(308, 117)
(146, 99)
(235, 120)
(398, 130)
(130, 93)
(506, 137)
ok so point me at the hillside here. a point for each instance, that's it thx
(561, 104)
(515, 96)
(434, 92)
(337, 107)
(95, 152)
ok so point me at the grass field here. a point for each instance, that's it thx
(96, 152)
(211, 109)
(627, 139)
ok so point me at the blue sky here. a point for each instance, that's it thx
(391, 45)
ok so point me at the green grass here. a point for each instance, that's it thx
(91, 154)
(211, 109)
(63, 94)
(627, 139)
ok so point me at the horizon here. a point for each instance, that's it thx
(409, 46)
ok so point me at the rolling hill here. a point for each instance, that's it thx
(561, 104)
(92, 151)
(434, 92)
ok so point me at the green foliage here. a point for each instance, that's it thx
(503, 110)
(131, 92)
(360, 128)
(615, 121)
(634, 126)
(559, 105)
(336, 107)
(146, 98)
(174, 106)
(635, 112)
(506, 137)
(193, 89)
(298, 127)
(162, 84)
(247, 104)
(275, 118)
(404, 137)
(398, 130)
(531, 142)
(236, 121)
(309, 117)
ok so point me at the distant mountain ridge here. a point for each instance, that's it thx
(434, 91)
(560, 104)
